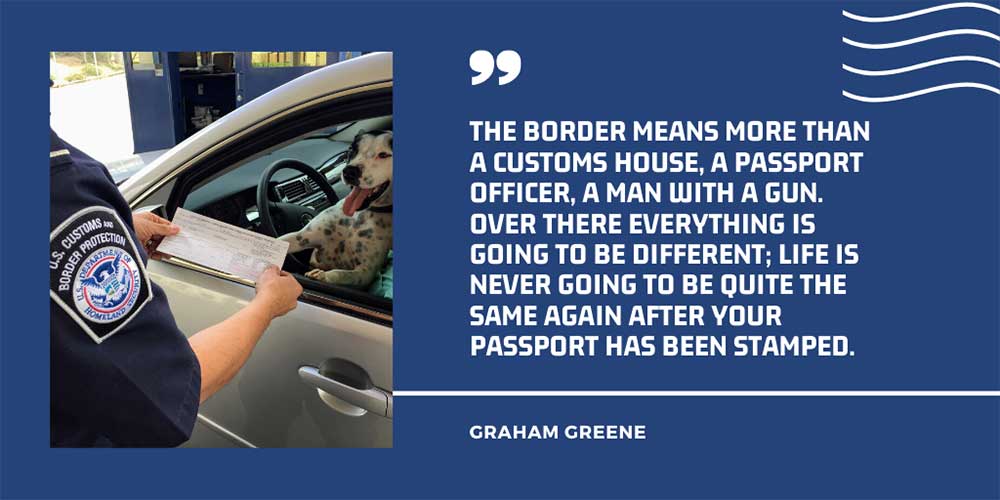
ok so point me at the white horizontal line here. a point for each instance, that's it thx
(911, 41)
(914, 67)
(991, 394)
(936, 8)
(916, 93)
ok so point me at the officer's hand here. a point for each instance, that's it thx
(278, 291)
(151, 228)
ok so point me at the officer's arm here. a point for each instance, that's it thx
(122, 373)
(222, 349)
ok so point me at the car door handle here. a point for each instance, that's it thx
(346, 387)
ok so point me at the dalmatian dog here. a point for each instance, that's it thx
(352, 238)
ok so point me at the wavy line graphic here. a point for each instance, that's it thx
(914, 67)
(911, 41)
(917, 93)
(916, 13)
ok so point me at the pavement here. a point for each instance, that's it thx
(124, 168)
(94, 116)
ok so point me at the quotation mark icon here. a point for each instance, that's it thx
(482, 62)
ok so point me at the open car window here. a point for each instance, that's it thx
(228, 192)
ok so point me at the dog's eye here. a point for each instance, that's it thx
(383, 155)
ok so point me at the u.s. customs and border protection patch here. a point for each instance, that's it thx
(96, 272)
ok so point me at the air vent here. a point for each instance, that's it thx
(312, 185)
(292, 190)
(321, 204)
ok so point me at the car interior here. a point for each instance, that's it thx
(294, 198)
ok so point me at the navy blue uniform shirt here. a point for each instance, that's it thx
(122, 374)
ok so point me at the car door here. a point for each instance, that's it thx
(268, 404)
(321, 376)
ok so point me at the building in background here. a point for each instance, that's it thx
(172, 95)
(126, 108)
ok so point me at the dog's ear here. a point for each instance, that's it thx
(353, 148)
(380, 133)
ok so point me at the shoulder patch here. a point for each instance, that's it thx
(96, 272)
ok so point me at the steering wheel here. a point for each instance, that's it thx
(278, 218)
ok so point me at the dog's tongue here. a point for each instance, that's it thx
(354, 200)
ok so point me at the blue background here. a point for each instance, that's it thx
(921, 310)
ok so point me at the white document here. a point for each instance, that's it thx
(220, 246)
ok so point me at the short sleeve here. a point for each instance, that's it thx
(122, 373)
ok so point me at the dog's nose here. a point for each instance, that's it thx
(352, 173)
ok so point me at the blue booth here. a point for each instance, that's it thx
(172, 95)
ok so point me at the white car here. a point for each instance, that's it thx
(322, 375)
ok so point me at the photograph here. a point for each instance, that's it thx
(198, 200)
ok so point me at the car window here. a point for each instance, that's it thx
(237, 186)
(231, 195)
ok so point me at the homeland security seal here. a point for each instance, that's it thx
(96, 272)
(107, 285)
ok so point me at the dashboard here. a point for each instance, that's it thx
(232, 196)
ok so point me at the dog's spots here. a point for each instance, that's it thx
(352, 249)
